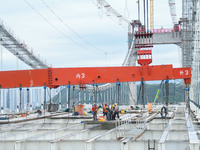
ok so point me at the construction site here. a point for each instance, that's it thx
(137, 105)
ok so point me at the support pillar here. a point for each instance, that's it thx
(31, 99)
(167, 93)
(107, 96)
(79, 96)
(73, 97)
(60, 98)
(50, 104)
(118, 93)
(28, 99)
(45, 89)
(89, 97)
(1, 100)
(142, 84)
(84, 97)
(20, 99)
(187, 97)
(103, 99)
(110, 96)
(68, 96)
(97, 94)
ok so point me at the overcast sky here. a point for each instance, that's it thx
(83, 17)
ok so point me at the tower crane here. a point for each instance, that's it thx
(109, 10)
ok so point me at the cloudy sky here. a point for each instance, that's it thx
(61, 47)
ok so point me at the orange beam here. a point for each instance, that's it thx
(54, 77)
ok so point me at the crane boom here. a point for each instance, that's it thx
(55, 77)
(109, 9)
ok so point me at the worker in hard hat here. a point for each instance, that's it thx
(115, 111)
(112, 112)
(105, 110)
(94, 110)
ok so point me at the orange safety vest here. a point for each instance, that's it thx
(105, 109)
(116, 109)
(94, 109)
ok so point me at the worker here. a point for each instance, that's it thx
(116, 112)
(94, 110)
(131, 108)
(112, 112)
(105, 110)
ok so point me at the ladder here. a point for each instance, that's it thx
(149, 145)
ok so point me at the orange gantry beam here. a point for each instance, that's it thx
(54, 77)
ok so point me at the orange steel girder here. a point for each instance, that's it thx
(54, 77)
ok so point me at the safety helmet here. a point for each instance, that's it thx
(105, 104)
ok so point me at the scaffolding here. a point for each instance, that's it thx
(190, 43)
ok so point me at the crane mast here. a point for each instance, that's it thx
(151, 14)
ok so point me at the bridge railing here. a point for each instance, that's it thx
(162, 30)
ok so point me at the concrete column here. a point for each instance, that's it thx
(194, 146)
(17, 145)
(124, 146)
(133, 93)
(161, 146)
(132, 85)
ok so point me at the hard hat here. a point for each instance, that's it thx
(115, 104)
(105, 104)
